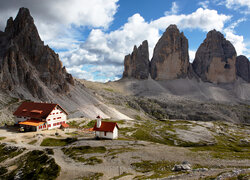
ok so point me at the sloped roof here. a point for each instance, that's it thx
(32, 122)
(35, 110)
(106, 126)
(64, 125)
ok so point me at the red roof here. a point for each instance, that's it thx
(106, 126)
(64, 125)
(35, 110)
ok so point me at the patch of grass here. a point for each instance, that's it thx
(160, 169)
(12, 141)
(91, 124)
(77, 153)
(49, 151)
(109, 89)
(94, 176)
(32, 142)
(225, 149)
(74, 124)
(36, 165)
(9, 152)
(3, 170)
(137, 117)
(120, 176)
(112, 152)
(57, 142)
(2, 138)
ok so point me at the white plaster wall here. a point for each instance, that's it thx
(53, 118)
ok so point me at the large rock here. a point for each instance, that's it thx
(25, 61)
(170, 59)
(243, 67)
(136, 65)
(215, 59)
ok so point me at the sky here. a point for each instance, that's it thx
(93, 36)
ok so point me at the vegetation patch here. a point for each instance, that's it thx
(159, 169)
(112, 152)
(9, 152)
(92, 176)
(57, 142)
(74, 124)
(225, 149)
(3, 170)
(49, 151)
(32, 142)
(35, 165)
(120, 176)
(2, 138)
(77, 153)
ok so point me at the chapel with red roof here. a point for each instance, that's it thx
(35, 116)
(106, 130)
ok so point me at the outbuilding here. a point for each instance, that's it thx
(105, 130)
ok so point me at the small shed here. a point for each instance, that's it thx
(106, 130)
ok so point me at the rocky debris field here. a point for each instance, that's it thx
(146, 149)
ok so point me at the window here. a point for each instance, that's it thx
(54, 124)
(54, 118)
(48, 119)
(60, 112)
(53, 113)
(105, 133)
(58, 123)
(49, 125)
(57, 113)
(59, 118)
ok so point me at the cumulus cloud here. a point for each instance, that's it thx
(236, 40)
(174, 9)
(54, 19)
(204, 4)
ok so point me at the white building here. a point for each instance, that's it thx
(35, 116)
(106, 130)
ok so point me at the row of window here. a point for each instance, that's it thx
(49, 125)
(55, 118)
(59, 123)
(55, 113)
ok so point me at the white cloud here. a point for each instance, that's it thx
(55, 18)
(108, 49)
(191, 55)
(204, 4)
(243, 5)
(236, 40)
(204, 19)
(174, 9)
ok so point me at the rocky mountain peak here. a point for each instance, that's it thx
(26, 63)
(215, 59)
(136, 65)
(243, 67)
(170, 59)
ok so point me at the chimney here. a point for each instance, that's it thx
(99, 121)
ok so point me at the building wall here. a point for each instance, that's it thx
(56, 118)
(108, 135)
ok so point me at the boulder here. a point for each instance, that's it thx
(215, 59)
(170, 59)
(136, 65)
(243, 67)
(185, 166)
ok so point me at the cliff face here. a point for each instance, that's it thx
(170, 59)
(215, 59)
(26, 62)
(243, 67)
(136, 65)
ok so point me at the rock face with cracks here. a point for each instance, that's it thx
(26, 62)
(215, 59)
(136, 65)
(243, 67)
(170, 59)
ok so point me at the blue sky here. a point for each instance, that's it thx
(92, 37)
